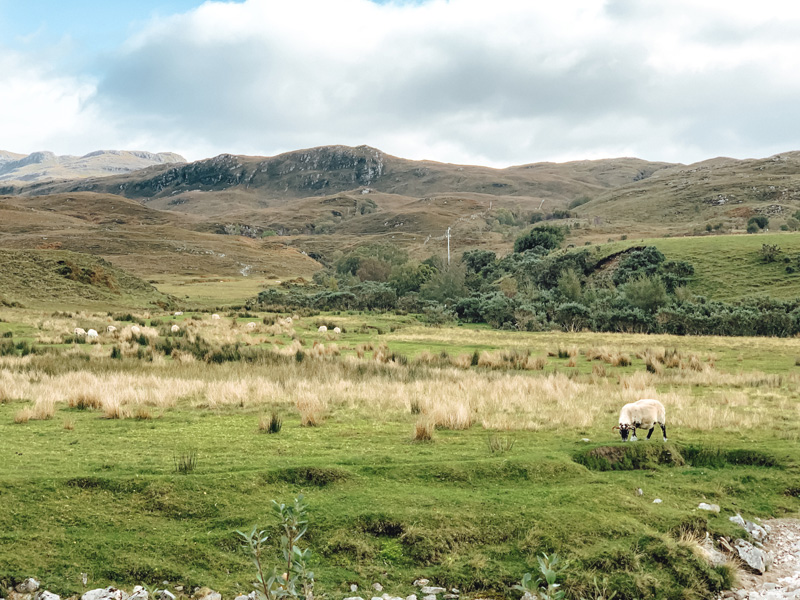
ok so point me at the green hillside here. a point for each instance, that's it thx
(71, 279)
(729, 267)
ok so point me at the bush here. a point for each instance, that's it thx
(543, 237)
(759, 221)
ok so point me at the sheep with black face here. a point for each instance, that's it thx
(642, 414)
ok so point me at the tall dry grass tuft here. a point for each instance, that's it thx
(112, 409)
(69, 424)
(311, 407)
(424, 430)
(43, 409)
(23, 415)
(142, 413)
(85, 400)
(451, 415)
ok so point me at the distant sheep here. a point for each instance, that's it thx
(642, 414)
(215, 317)
(337, 330)
(174, 329)
(288, 320)
(135, 330)
(251, 325)
(111, 329)
(322, 329)
(92, 334)
(177, 314)
(79, 331)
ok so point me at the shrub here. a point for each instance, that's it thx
(759, 221)
(271, 425)
(424, 429)
(769, 252)
(185, 462)
(542, 237)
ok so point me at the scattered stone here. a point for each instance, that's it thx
(353, 587)
(758, 533)
(45, 595)
(28, 586)
(242, 597)
(377, 598)
(354, 598)
(755, 558)
(433, 590)
(657, 501)
(139, 593)
(450, 597)
(109, 593)
(430, 597)
(205, 593)
(421, 582)
(709, 507)
(377, 587)
(12, 595)
(411, 597)
(639, 492)
(166, 595)
(585, 440)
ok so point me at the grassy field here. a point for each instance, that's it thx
(90, 445)
(729, 267)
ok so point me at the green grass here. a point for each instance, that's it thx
(729, 267)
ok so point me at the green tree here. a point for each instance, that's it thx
(542, 237)
(569, 285)
(445, 286)
(646, 292)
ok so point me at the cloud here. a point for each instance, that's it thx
(459, 81)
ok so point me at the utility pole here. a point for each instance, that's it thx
(448, 246)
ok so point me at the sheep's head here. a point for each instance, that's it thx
(624, 430)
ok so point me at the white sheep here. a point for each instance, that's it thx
(337, 330)
(642, 414)
(111, 329)
(174, 329)
(79, 331)
(177, 313)
(288, 320)
(251, 325)
(135, 330)
(92, 334)
(322, 329)
(215, 317)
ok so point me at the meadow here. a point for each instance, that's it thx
(459, 454)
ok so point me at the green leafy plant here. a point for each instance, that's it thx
(544, 587)
(297, 581)
(186, 462)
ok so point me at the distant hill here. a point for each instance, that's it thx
(46, 166)
(47, 277)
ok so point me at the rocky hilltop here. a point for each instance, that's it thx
(47, 166)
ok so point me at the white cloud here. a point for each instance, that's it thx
(499, 83)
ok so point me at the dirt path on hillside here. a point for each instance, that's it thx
(782, 580)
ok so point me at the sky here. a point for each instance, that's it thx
(497, 83)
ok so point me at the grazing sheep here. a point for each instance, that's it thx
(79, 331)
(642, 414)
(92, 334)
(135, 330)
(174, 329)
(322, 329)
(178, 313)
(111, 329)
(215, 317)
(337, 330)
(288, 320)
(251, 325)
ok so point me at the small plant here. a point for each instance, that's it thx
(500, 444)
(186, 462)
(69, 424)
(116, 353)
(769, 252)
(8, 334)
(546, 586)
(416, 407)
(271, 425)
(297, 581)
(424, 430)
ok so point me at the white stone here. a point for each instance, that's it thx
(709, 507)
(756, 559)
(28, 586)
(353, 587)
(411, 597)
(585, 440)
(421, 582)
(109, 593)
(139, 593)
(166, 595)
(45, 595)
(377, 587)
(433, 590)
(657, 501)
(430, 597)
(354, 598)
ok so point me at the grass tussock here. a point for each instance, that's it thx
(85, 400)
(424, 430)
(312, 409)
(271, 424)
(68, 424)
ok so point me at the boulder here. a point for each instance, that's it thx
(753, 557)
(432, 590)
(109, 593)
(757, 532)
(139, 593)
(28, 586)
(709, 507)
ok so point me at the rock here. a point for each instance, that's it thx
(411, 597)
(242, 597)
(430, 597)
(756, 559)
(709, 507)
(454, 591)
(28, 586)
(45, 595)
(377, 598)
(354, 598)
(109, 593)
(421, 582)
(166, 595)
(657, 501)
(12, 595)
(450, 597)
(377, 587)
(432, 590)
(586, 440)
(353, 587)
(639, 492)
(139, 593)
(740, 594)
(758, 533)
(205, 593)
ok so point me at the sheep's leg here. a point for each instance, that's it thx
(664, 431)
(649, 433)
(633, 437)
